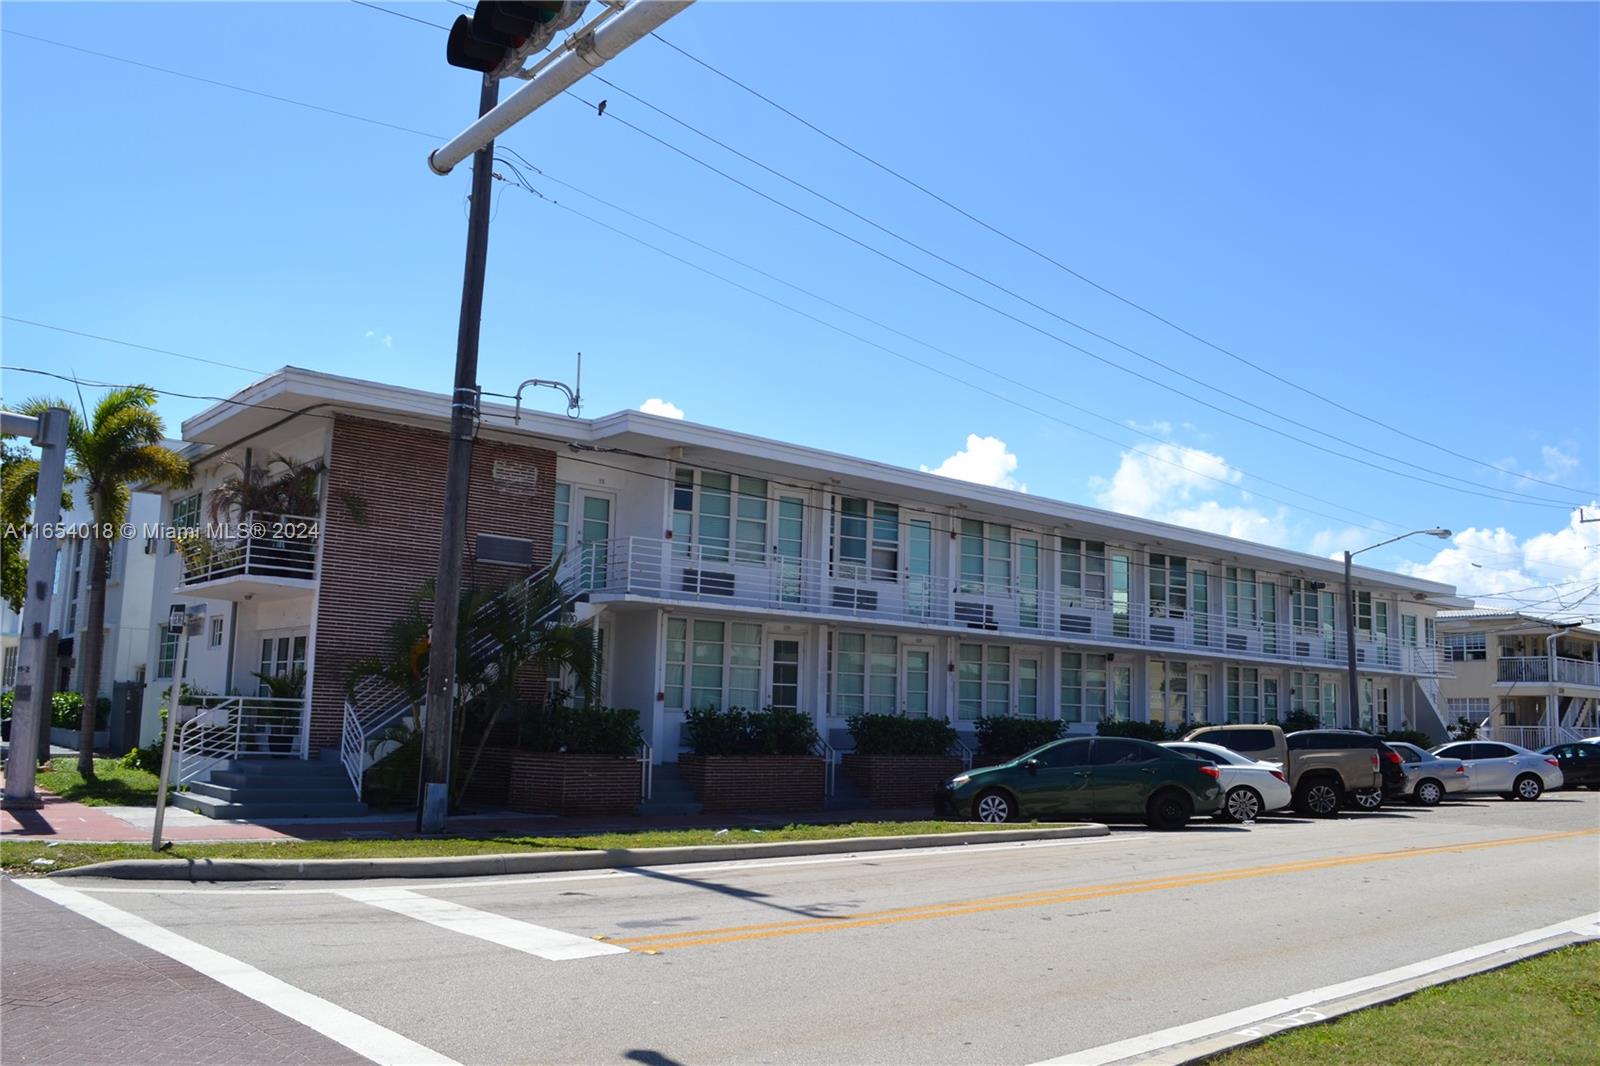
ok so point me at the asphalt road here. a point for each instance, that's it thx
(1004, 954)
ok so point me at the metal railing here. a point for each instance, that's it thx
(719, 577)
(1532, 737)
(647, 771)
(262, 545)
(1536, 669)
(237, 727)
(967, 753)
(830, 763)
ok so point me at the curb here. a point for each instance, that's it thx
(539, 862)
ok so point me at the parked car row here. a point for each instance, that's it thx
(1241, 772)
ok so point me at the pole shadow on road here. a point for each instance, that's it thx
(748, 894)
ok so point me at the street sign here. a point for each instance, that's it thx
(177, 619)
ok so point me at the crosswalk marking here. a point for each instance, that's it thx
(550, 944)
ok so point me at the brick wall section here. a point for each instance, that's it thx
(370, 571)
(549, 783)
(755, 782)
(490, 784)
(901, 780)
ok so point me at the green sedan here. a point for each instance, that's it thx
(1110, 777)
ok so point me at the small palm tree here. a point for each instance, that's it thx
(19, 481)
(115, 449)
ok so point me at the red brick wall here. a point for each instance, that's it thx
(755, 782)
(549, 783)
(901, 780)
(370, 571)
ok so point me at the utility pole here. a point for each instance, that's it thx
(1352, 680)
(438, 721)
(29, 713)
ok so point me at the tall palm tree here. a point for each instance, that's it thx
(115, 449)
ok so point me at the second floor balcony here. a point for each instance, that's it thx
(663, 571)
(1535, 669)
(262, 554)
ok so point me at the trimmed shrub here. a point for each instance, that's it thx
(736, 731)
(1295, 721)
(581, 731)
(1155, 732)
(890, 734)
(1410, 736)
(1006, 738)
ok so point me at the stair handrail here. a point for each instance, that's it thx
(830, 759)
(646, 770)
(966, 751)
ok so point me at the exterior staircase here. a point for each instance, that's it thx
(260, 789)
(669, 793)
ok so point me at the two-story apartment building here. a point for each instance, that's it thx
(1519, 677)
(720, 568)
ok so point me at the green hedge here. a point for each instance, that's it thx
(890, 734)
(736, 731)
(1295, 721)
(1410, 736)
(66, 709)
(1155, 732)
(581, 731)
(1006, 738)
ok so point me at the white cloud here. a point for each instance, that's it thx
(1557, 462)
(1160, 426)
(1171, 483)
(984, 461)
(655, 405)
(1549, 573)
(387, 340)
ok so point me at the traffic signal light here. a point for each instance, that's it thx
(500, 32)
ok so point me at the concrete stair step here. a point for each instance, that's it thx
(284, 767)
(245, 779)
(254, 810)
(331, 792)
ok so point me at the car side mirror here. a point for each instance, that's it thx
(1032, 765)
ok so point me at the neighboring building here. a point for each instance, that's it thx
(1521, 678)
(10, 641)
(721, 568)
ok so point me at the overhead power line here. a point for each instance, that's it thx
(400, 15)
(1128, 301)
(131, 344)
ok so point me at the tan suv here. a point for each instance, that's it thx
(1323, 766)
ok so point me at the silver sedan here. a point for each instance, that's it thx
(1496, 766)
(1428, 777)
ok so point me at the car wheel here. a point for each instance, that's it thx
(994, 806)
(1168, 809)
(1428, 793)
(1529, 787)
(1242, 804)
(1320, 798)
(1368, 799)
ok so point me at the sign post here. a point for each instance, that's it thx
(177, 622)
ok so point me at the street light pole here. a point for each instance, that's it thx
(1352, 681)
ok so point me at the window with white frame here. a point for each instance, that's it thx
(1372, 616)
(1466, 647)
(74, 586)
(1240, 597)
(723, 516)
(1408, 630)
(1084, 682)
(1305, 604)
(1167, 689)
(983, 681)
(865, 674)
(282, 655)
(185, 516)
(713, 664)
(1314, 694)
(750, 520)
(8, 672)
(1122, 692)
(1430, 631)
(167, 656)
(561, 529)
(986, 558)
(1083, 572)
(1244, 694)
(1169, 586)
(867, 540)
(215, 637)
(1472, 708)
(785, 675)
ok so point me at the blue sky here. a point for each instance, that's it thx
(1393, 205)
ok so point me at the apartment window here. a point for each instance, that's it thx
(185, 516)
(714, 516)
(724, 515)
(1430, 632)
(1305, 605)
(1168, 691)
(283, 654)
(868, 542)
(985, 557)
(723, 663)
(8, 673)
(1122, 692)
(1466, 647)
(1372, 616)
(1408, 630)
(1474, 709)
(1240, 595)
(1200, 597)
(1169, 586)
(1083, 687)
(1314, 694)
(865, 669)
(1244, 694)
(215, 638)
(1028, 582)
(677, 662)
(983, 681)
(74, 586)
(919, 682)
(1083, 572)
(561, 534)
(750, 520)
(167, 657)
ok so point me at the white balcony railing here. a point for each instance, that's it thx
(730, 578)
(260, 545)
(1536, 669)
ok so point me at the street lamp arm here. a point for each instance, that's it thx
(1437, 531)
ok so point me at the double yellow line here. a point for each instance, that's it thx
(928, 912)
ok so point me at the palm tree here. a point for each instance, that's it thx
(19, 480)
(119, 447)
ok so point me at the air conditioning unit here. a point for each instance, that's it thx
(975, 615)
(1238, 642)
(1077, 623)
(504, 551)
(1302, 649)
(1160, 634)
(847, 598)
(708, 582)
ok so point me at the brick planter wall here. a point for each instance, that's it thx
(755, 782)
(491, 781)
(552, 783)
(901, 780)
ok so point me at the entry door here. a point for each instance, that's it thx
(1025, 693)
(916, 682)
(788, 547)
(1380, 708)
(783, 673)
(919, 567)
(594, 535)
(282, 653)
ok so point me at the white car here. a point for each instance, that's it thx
(1496, 766)
(1429, 778)
(1249, 788)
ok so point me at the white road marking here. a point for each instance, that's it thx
(364, 1037)
(550, 944)
(422, 884)
(1589, 924)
